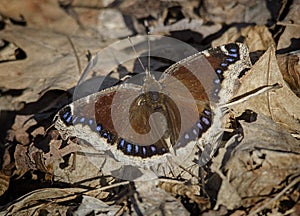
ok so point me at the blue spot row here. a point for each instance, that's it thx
(199, 128)
(69, 119)
(141, 151)
(231, 57)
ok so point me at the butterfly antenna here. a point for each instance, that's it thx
(136, 55)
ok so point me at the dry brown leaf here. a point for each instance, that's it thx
(143, 8)
(189, 191)
(89, 3)
(19, 129)
(39, 15)
(156, 201)
(22, 160)
(31, 158)
(291, 31)
(168, 16)
(296, 210)
(7, 167)
(255, 37)
(8, 51)
(51, 63)
(112, 25)
(78, 169)
(4, 183)
(289, 65)
(91, 205)
(42, 200)
(56, 152)
(40, 131)
(238, 11)
(267, 156)
(25, 159)
(195, 25)
(282, 105)
(222, 211)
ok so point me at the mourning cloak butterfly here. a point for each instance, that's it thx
(143, 125)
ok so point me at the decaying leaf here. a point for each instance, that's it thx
(194, 25)
(291, 33)
(51, 63)
(4, 183)
(282, 105)
(143, 9)
(189, 191)
(155, 201)
(56, 152)
(112, 24)
(43, 200)
(256, 38)
(61, 16)
(91, 205)
(6, 171)
(238, 11)
(76, 168)
(289, 65)
(22, 160)
(260, 165)
(20, 127)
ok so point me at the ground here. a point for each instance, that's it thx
(46, 48)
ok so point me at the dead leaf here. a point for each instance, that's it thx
(289, 65)
(51, 63)
(189, 191)
(49, 15)
(4, 183)
(222, 211)
(195, 25)
(89, 3)
(19, 129)
(30, 158)
(155, 201)
(22, 160)
(6, 170)
(112, 25)
(56, 153)
(296, 210)
(43, 200)
(39, 131)
(260, 165)
(81, 171)
(8, 51)
(91, 205)
(143, 8)
(238, 11)
(255, 37)
(282, 105)
(291, 31)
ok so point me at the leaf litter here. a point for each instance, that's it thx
(255, 171)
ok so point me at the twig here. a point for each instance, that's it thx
(295, 181)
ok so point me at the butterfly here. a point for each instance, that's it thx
(166, 116)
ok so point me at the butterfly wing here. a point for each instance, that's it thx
(210, 77)
(111, 120)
